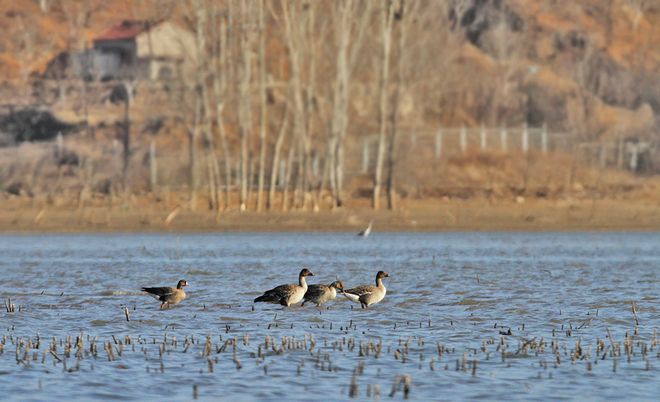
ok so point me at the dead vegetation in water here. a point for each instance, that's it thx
(329, 348)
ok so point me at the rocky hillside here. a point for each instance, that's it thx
(590, 67)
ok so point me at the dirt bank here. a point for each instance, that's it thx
(436, 215)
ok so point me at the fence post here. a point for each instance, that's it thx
(634, 150)
(463, 139)
(438, 143)
(504, 140)
(544, 139)
(525, 138)
(365, 155)
(482, 134)
(153, 165)
(619, 151)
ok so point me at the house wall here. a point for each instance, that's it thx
(167, 47)
(105, 64)
(119, 59)
(164, 69)
(125, 49)
(166, 51)
(166, 40)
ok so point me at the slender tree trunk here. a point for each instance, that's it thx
(276, 157)
(349, 31)
(262, 93)
(223, 141)
(294, 37)
(299, 177)
(394, 113)
(340, 104)
(192, 138)
(387, 19)
(202, 60)
(287, 178)
(213, 195)
(244, 117)
(220, 91)
(332, 163)
(309, 107)
(251, 169)
(322, 183)
(214, 167)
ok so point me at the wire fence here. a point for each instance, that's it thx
(636, 156)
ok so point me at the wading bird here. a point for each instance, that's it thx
(366, 232)
(167, 294)
(367, 295)
(287, 295)
(320, 294)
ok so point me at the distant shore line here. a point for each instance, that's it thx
(416, 216)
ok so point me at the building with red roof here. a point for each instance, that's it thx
(131, 49)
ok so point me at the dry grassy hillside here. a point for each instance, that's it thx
(587, 69)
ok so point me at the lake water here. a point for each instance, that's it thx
(450, 299)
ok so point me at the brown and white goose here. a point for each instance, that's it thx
(367, 295)
(320, 294)
(167, 294)
(287, 295)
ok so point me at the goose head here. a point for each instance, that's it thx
(181, 284)
(339, 285)
(306, 272)
(382, 274)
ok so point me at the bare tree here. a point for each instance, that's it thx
(387, 21)
(352, 24)
(262, 99)
(403, 16)
(294, 23)
(203, 74)
(244, 104)
(220, 65)
(193, 135)
(276, 156)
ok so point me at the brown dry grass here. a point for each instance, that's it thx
(149, 214)
(478, 191)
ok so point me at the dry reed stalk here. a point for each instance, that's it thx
(633, 307)
(353, 390)
(9, 306)
(172, 215)
(40, 216)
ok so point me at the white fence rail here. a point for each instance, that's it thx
(453, 141)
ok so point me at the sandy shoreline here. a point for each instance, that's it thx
(472, 215)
